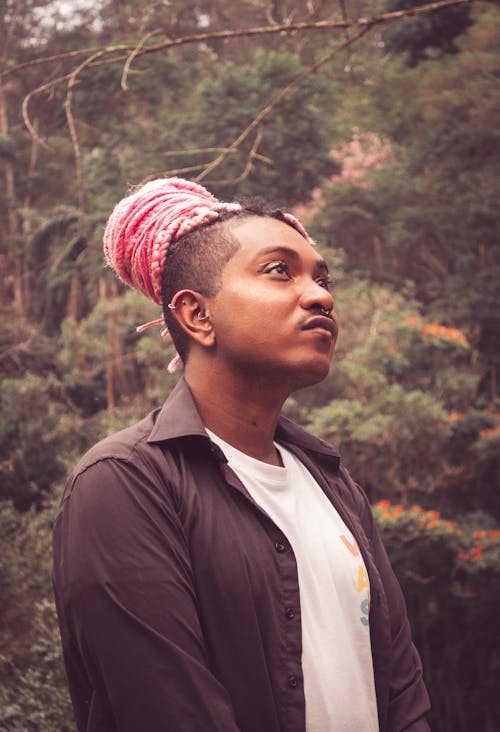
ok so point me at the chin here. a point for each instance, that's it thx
(312, 373)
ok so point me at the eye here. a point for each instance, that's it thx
(278, 267)
(327, 282)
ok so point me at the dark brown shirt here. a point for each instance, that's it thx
(178, 597)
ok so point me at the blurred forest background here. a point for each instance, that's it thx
(387, 146)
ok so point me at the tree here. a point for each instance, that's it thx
(428, 213)
(415, 36)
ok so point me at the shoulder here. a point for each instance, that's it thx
(123, 467)
(124, 445)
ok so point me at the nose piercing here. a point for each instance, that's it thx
(326, 311)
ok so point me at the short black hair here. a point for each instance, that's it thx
(196, 262)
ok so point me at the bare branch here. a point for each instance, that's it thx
(47, 60)
(141, 50)
(71, 123)
(132, 56)
(25, 111)
(245, 32)
(419, 578)
(277, 99)
(187, 169)
(249, 164)
(343, 13)
(130, 52)
(192, 151)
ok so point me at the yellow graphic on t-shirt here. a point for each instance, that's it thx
(363, 583)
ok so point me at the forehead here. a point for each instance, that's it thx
(259, 235)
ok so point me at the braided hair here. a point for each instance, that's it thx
(169, 235)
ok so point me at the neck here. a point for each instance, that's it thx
(237, 409)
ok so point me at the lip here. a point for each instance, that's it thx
(321, 322)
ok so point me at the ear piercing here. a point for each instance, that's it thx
(170, 306)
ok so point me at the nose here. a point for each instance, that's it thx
(314, 296)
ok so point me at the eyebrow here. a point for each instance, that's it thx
(287, 251)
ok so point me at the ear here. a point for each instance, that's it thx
(190, 311)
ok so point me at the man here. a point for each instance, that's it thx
(215, 567)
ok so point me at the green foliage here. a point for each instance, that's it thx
(450, 575)
(409, 222)
(293, 153)
(40, 435)
(428, 212)
(33, 693)
(414, 36)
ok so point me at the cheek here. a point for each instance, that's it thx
(250, 308)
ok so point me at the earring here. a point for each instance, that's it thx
(202, 317)
(174, 307)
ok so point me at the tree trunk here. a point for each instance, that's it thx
(12, 216)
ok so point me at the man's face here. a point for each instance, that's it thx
(269, 314)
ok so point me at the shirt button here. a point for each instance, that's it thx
(293, 682)
(290, 613)
(280, 547)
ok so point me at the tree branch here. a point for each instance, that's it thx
(132, 56)
(245, 32)
(249, 163)
(117, 53)
(71, 123)
(277, 99)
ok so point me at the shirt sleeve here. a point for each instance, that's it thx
(125, 593)
(408, 698)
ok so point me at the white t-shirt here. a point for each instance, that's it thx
(334, 591)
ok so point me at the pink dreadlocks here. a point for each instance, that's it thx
(143, 225)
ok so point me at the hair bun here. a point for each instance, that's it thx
(142, 226)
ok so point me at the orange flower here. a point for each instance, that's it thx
(434, 514)
(456, 416)
(432, 524)
(477, 552)
(479, 534)
(410, 320)
(490, 431)
(440, 331)
(385, 503)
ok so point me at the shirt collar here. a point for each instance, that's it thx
(179, 417)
